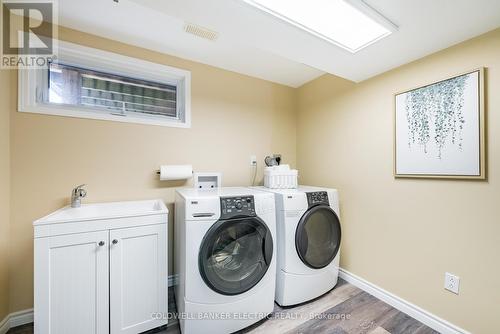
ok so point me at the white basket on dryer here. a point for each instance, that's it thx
(280, 177)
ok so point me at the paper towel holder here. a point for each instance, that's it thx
(159, 173)
(207, 180)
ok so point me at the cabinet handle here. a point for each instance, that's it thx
(101, 243)
(115, 241)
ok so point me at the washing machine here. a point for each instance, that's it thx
(308, 242)
(225, 258)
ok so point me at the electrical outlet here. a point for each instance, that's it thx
(451, 282)
(253, 160)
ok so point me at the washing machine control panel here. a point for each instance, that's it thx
(317, 197)
(237, 206)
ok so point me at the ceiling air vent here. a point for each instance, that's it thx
(201, 31)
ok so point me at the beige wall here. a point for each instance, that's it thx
(399, 234)
(404, 234)
(5, 101)
(233, 117)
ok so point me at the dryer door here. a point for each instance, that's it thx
(317, 238)
(235, 254)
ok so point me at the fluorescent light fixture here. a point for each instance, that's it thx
(350, 24)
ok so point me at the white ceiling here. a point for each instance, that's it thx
(254, 43)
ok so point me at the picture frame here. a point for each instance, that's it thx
(439, 129)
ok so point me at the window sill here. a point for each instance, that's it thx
(55, 110)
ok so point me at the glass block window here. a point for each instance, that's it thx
(110, 93)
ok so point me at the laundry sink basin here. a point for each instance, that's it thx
(101, 211)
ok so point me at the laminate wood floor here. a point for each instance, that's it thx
(344, 310)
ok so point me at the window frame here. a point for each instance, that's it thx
(33, 86)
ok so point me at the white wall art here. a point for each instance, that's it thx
(439, 129)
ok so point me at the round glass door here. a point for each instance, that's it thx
(235, 254)
(317, 238)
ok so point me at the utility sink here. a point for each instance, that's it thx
(92, 260)
(101, 211)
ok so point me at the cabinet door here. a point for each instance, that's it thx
(72, 284)
(138, 278)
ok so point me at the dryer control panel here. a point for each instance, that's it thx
(317, 197)
(237, 206)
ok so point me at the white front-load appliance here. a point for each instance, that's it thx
(225, 258)
(308, 235)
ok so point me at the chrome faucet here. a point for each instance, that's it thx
(76, 196)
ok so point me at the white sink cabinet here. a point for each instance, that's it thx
(101, 268)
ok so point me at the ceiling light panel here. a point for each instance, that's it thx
(350, 24)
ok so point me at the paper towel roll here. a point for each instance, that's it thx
(176, 172)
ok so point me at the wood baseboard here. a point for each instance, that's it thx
(4, 325)
(425, 317)
(16, 319)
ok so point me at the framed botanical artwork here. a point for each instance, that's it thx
(439, 129)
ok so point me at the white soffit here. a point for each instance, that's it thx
(135, 24)
(252, 42)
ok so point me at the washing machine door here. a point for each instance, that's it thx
(317, 238)
(235, 255)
